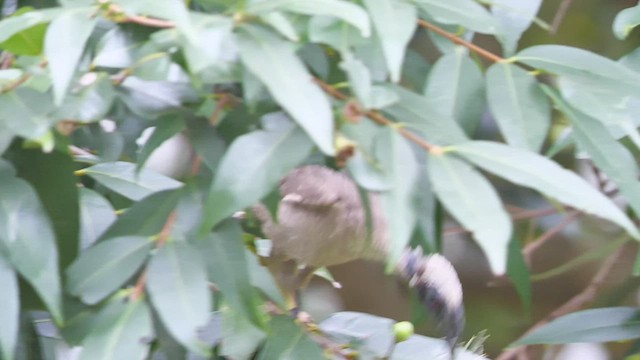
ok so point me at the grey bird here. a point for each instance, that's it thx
(321, 222)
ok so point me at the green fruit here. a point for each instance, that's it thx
(403, 330)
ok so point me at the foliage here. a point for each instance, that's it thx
(131, 131)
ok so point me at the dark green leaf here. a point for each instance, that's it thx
(519, 106)
(455, 86)
(104, 267)
(63, 45)
(395, 24)
(287, 341)
(123, 330)
(467, 13)
(532, 170)
(177, 285)
(595, 325)
(471, 199)
(274, 62)
(123, 178)
(146, 217)
(518, 272)
(96, 216)
(9, 310)
(626, 21)
(253, 165)
(372, 336)
(228, 269)
(344, 10)
(26, 236)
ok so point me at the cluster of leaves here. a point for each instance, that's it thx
(121, 256)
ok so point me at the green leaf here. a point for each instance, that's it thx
(9, 310)
(518, 272)
(519, 106)
(581, 65)
(123, 330)
(417, 112)
(227, 267)
(177, 286)
(15, 24)
(595, 325)
(274, 62)
(116, 48)
(282, 24)
(339, 35)
(165, 128)
(359, 79)
(346, 11)
(96, 216)
(472, 201)
(240, 338)
(252, 167)
(513, 17)
(25, 112)
(154, 98)
(123, 178)
(28, 41)
(212, 46)
(91, 101)
(398, 162)
(27, 239)
(395, 24)
(609, 155)
(467, 13)
(173, 10)
(373, 336)
(539, 173)
(418, 346)
(626, 21)
(455, 86)
(104, 267)
(146, 217)
(64, 44)
(287, 341)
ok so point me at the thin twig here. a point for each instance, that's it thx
(456, 39)
(560, 15)
(530, 248)
(13, 85)
(578, 301)
(380, 119)
(163, 236)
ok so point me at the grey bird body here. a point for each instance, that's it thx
(321, 222)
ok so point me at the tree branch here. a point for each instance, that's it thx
(578, 301)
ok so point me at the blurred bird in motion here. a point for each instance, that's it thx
(321, 221)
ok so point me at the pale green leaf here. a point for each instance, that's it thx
(519, 106)
(64, 44)
(123, 178)
(418, 346)
(589, 326)
(287, 341)
(626, 21)
(400, 168)
(123, 330)
(252, 167)
(395, 24)
(15, 24)
(467, 13)
(472, 201)
(513, 17)
(344, 10)
(281, 23)
(455, 86)
(174, 10)
(539, 173)
(177, 286)
(373, 336)
(104, 267)
(9, 310)
(274, 62)
(359, 79)
(96, 215)
(26, 112)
